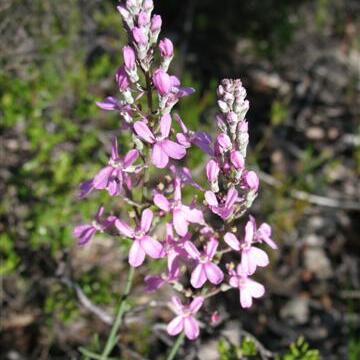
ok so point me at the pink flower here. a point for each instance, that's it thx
(166, 48)
(143, 243)
(163, 148)
(143, 18)
(185, 319)
(85, 232)
(162, 82)
(226, 208)
(263, 233)
(187, 137)
(251, 256)
(248, 288)
(111, 103)
(116, 173)
(182, 214)
(205, 269)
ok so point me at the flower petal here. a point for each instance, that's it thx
(213, 273)
(136, 254)
(245, 297)
(173, 149)
(211, 199)
(162, 202)
(146, 220)
(196, 304)
(191, 328)
(165, 125)
(124, 228)
(130, 158)
(259, 256)
(175, 326)
(198, 276)
(152, 247)
(232, 241)
(256, 289)
(101, 179)
(211, 247)
(180, 222)
(192, 250)
(144, 132)
(158, 156)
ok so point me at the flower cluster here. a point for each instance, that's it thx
(197, 233)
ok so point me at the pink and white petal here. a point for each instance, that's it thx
(173, 149)
(249, 232)
(192, 250)
(110, 103)
(136, 254)
(234, 281)
(114, 188)
(180, 222)
(213, 273)
(162, 202)
(153, 282)
(124, 228)
(130, 158)
(146, 220)
(177, 305)
(158, 156)
(247, 263)
(152, 247)
(194, 216)
(114, 148)
(196, 304)
(198, 276)
(165, 125)
(211, 247)
(232, 241)
(231, 197)
(101, 179)
(191, 328)
(256, 289)
(211, 199)
(245, 298)
(144, 132)
(259, 256)
(175, 326)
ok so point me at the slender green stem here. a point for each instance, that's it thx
(175, 347)
(111, 341)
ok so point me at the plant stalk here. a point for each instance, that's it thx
(111, 341)
(176, 346)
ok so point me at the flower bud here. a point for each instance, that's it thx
(162, 81)
(224, 143)
(129, 57)
(252, 180)
(231, 118)
(212, 171)
(155, 23)
(122, 79)
(166, 48)
(237, 160)
(143, 19)
(139, 36)
(148, 5)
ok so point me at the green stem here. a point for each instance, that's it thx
(111, 341)
(175, 347)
